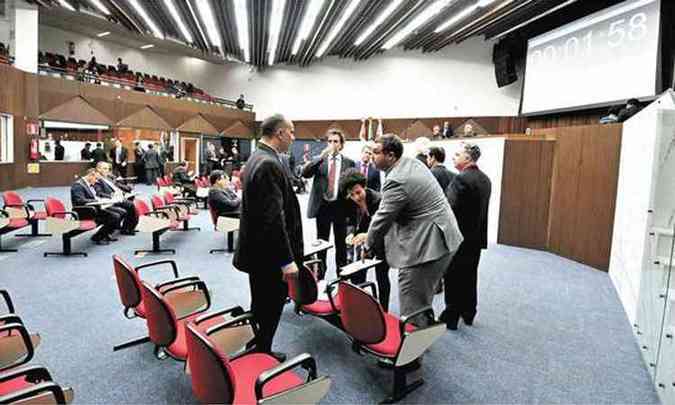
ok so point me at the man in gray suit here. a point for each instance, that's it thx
(414, 224)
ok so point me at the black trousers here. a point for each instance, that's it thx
(383, 283)
(120, 170)
(268, 296)
(129, 218)
(329, 214)
(461, 282)
(110, 219)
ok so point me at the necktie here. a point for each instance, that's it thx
(364, 170)
(331, 178)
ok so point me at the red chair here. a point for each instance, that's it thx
(176, 212)
(183, 300)
(167, 329)
(201, 191)
(155, 223)
(67, 224)
(8, 224)
(17, 346)
(32, 385)
(13, 200)
(304, 292)
(250, 377)
(183, 202)
(396, 342)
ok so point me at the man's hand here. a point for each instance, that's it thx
(328, 151)
(359, 239)
(349, 240)
(290, 270)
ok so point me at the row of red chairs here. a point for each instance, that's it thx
(215, 346)
(19, 382)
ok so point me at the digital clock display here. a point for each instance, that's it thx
(605, 57)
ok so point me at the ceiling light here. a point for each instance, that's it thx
(141, 11)
(100, 7)
(241, 15)
(103, 34)
(421, 18)
(275, 28)
(456, 18)
(336, 29)
(307, 23)
(209, 19)
(178, 20)
(148, 46)
(67, 5)
(380, 19)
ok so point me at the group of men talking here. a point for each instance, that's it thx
(423, 220)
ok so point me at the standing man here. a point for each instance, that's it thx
(152, 163)
(98, 155)
(119, 156)
(324, 202)
(435, 159)
(469, 197)
(447, 130)
(414, 226)
(85, 153)
(368, 170)
(270, 245)
(59, 150)
(139, 166)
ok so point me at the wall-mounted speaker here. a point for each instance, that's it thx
(505, 65)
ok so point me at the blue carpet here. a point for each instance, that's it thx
(548, 331)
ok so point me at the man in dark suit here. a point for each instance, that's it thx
(139, 166)
(469, 197)
(270, 245)
(98, 154)
(107, 187)
(59, 150)
(368, 170)
(85, 153)
(119, 155)
(152, 163)
(435, 159)
(325, 203)
(222, 199)
(81, 193)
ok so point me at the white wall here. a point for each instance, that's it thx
(457, 81)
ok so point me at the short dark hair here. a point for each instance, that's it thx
(437, 153)
(215, 176)
(87, 144)
(633, 101)
(472, 150)
(391, 143)
(271, 124)
(338, 133)
(349, 179)
(90, 171)
(99, 144)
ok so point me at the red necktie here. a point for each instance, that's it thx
(364, 170)
(331, 178)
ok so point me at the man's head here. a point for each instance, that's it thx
(218, 178)
(99, 145)
(103, 168)
(336, 139)
(278, 132)
(466, 156)
(90, 176)
(436, 156)
(118, 143)
(468, 129)
(87, 145)
(151, 146)
(366, 153)
(387, 150)
(353, 185)
(436, 130)
(633, 103)
(57, 142)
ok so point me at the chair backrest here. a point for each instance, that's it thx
(141, 207)
(128, 283)
(211, 373)
(12, 198)
(168, 198)
(361, 314)
(157, 201)
(303, 288)
(161, 319)
(53, 205)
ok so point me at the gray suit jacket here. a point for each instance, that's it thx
(414, 221)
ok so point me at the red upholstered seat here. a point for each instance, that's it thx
(246, 370)
(392, 340)
(12, 198)
(87, 224)
(323, 307)
(17, 223)
(178, 348)
(14, 385)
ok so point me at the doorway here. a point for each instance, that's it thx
(189, 152)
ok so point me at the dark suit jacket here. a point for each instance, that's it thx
(319, 169)
(180, 176)
(223, 201)
(98, 155)
(373, 181)
(124, 155)
(85, 154)
(103, 189)
(469, 197)
(443, 175)
(151, 159)
(59, 152)
(270, 228)
(80, 194)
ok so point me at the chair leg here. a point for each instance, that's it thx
(67, 249)
(2, 250)
(131, 343)
(155, 246)
(34, 231)
(186, 227)
(401, 387)
(230, 241)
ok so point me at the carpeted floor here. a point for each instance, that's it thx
(548, 331)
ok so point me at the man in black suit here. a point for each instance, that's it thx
(98, 154)
(107, 187)
(222, 199)
(81, 193)
(368, 169)
(435, 159)
(59, 150)
(152, 163)
(469, 197)
(139, 166)
(325, 203)
(270, 245)
(85, 153)
(119, 155)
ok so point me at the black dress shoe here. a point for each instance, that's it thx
(450, 320)
(468, 318)
(281, 357)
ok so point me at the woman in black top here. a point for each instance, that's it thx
(361, 206)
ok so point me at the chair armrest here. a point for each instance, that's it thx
(4, 213)
(33, 374)
(25, 336)
(30, 205)
(73, 214)
(243, 319)
(235, 311)
(304, 360)
(34, 391)
(25, 207)
(85, 208)
(329, 292)
(158, 213)
(11, 318)
(371, 285)
(173, 264)
(199, 284)
(8, 300)
(405, 319)
(169, 283)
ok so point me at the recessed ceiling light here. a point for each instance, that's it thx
(178, 20)
(275, 27)
(336, 29)
(417, 22)
(103, 34)
(241, 15)
(379, 20)
(67, 5)
(308, 21)
(148, 46)
(206, 12)
(148, 21)
(100, 7)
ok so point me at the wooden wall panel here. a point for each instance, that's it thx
(54, 174)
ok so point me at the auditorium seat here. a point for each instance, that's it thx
(13, 200)
(67, 224)
(184, 300)
(10, 223)
(176, 212)
(155, 223)
(249, 377)
(32, 385)
(229, 224)
(202, 190)
(304, 291)
(17, 346)
(395, 342)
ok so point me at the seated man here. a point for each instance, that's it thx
(81, 193)
(107, 187)
(221, 197)
(182, 177)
